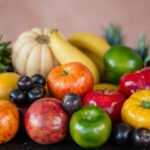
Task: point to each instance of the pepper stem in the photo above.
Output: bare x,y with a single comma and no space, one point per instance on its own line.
146,104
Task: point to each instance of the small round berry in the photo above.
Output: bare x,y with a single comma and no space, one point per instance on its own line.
36,93
18,97
141,137
25,83
38,79
122,134
71,102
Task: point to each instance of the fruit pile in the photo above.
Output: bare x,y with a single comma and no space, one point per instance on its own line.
91,88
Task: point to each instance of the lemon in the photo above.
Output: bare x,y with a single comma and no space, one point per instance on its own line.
8,81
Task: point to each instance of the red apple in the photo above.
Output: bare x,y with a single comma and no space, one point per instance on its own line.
110,100
70,78
45,121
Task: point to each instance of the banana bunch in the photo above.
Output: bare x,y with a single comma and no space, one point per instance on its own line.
81,47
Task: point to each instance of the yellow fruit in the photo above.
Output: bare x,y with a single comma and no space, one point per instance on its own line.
93,46
96,60
90,42
106,86
8,81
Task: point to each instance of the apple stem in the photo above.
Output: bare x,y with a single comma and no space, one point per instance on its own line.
65,72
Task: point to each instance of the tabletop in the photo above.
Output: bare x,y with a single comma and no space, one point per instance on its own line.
23,142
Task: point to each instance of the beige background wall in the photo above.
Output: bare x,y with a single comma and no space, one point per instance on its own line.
70,16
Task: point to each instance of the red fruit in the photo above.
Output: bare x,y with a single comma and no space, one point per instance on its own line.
145,73
46,121
70,78
133,82
110,100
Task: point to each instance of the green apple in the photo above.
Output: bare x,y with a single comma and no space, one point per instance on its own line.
90,127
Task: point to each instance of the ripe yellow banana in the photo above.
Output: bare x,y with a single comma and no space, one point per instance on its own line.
96,60
93,46
90,42
66,52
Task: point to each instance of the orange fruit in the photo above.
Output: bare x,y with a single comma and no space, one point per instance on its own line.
9,121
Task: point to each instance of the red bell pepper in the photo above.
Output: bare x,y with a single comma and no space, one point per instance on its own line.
135,81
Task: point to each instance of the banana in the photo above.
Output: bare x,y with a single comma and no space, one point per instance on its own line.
91,45
66,52
90,42
96,60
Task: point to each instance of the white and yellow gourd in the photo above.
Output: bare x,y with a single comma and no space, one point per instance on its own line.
32,53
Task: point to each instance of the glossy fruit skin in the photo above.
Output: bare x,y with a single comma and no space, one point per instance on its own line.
90,127
122,134
71,77
25,83
119,60
71,102
17,96
8,82
36,93
141,137
131,82
38,79
110,100
46,121
136,109
9,121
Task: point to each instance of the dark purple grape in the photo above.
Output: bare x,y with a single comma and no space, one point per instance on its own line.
18,97
36,93
38,79
71,102
122,134
25,83
141,137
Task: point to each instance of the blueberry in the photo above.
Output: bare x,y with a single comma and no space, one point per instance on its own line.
71,102
25,83
38,79
18,97
36,93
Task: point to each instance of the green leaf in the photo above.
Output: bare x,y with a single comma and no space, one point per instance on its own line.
3,68
142,47
113,34
147,61
6,61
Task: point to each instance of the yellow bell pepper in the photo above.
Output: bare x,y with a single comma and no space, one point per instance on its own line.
136,109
